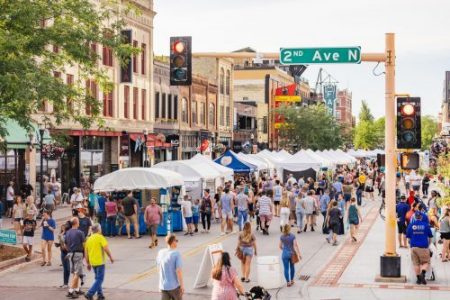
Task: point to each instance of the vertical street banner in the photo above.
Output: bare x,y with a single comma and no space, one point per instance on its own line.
329,95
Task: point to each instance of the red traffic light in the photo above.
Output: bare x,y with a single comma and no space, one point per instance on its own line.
178,47
408,109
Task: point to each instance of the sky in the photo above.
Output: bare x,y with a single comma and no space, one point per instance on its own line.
422,31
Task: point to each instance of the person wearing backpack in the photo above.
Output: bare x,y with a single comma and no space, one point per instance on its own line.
354,218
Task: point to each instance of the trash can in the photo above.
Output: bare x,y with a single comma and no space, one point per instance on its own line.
269,272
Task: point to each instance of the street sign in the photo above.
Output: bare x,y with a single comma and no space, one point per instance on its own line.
7,237
300,56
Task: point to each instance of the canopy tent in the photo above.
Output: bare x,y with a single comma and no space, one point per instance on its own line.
270,164
345,155
283,154
227,173
292,166
260,165
138,179
341,160
304,157
231,160
266,154
326,161
196,175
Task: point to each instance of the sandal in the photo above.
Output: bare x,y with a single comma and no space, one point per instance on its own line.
243,279
49,264
43,264
289,284
247,280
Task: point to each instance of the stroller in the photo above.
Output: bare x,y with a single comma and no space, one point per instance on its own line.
257,293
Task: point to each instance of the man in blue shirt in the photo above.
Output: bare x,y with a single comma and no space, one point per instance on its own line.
402,208
170,273
337,187
324,201
419,235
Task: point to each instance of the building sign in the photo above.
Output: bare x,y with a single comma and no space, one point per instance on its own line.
125,69
285,94
7,237
329,95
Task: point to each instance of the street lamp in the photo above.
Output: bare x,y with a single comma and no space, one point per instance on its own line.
41,166
145,147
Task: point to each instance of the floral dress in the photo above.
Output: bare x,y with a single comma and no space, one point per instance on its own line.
224,289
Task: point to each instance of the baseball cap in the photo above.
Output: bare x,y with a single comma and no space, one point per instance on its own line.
418,215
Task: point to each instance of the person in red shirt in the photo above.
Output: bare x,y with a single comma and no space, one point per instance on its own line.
153,217
411,197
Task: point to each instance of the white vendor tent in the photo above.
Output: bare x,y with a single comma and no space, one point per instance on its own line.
227,173
328,156
138,179
269,163
325,160
260,165
345,155
196,175
283,154
304,157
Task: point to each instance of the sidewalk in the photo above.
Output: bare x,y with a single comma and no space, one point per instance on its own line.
61,214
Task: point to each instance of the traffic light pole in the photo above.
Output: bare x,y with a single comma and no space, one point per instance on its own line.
390,262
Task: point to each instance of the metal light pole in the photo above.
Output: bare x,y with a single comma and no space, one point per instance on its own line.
41,166
145,147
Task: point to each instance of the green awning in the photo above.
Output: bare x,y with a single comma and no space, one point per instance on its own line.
18,137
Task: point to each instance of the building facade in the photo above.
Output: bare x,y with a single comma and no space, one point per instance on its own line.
245,122
343,112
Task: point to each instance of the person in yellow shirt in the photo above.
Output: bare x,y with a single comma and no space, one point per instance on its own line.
94,251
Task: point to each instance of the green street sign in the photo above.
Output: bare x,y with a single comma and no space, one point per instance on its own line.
7,237
337,55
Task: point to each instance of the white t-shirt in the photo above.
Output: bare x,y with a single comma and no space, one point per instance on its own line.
407,178
277,193
284,215
76,198
187,208
10,193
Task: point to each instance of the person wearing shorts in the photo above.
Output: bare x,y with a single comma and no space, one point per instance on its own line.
186,206
247,244
226,208
130,209
29,226
419,235
402,209
265,211
75,247
153,217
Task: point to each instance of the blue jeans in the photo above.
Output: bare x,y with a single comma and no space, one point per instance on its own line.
111,225
242,218
66,267
300,215
96,287
288,266
359,197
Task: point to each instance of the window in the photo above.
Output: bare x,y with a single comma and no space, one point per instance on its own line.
135,102
143,58
91,91
202,113
228,82
169,107
184,110
126,102
175,107
163,106
228,117
338,114
222,116
69,81
211,115
107,57
108,104
57,74
222,80
194,112
157,105
135,63
93,53
143,103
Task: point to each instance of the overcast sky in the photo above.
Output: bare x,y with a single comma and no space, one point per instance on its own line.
422,37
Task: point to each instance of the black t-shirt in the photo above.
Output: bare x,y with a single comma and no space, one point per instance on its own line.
335,215
74,240
28,227
128,206
85,223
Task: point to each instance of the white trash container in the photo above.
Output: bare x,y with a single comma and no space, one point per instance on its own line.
269,272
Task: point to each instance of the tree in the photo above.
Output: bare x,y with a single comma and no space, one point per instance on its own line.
365,135
310,127
40,37
429,130
365,114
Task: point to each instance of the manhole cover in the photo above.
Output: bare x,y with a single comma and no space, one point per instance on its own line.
304,277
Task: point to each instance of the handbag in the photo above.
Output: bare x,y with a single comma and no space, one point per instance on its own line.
239,254
294,258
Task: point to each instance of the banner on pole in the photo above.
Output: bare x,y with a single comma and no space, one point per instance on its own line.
329,95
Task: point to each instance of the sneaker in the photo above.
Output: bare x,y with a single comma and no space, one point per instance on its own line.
89,297
64,286
80,292
222,233
100,297
72,295
49,264
335,243
328,240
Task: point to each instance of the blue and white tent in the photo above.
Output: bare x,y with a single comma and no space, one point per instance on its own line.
231,160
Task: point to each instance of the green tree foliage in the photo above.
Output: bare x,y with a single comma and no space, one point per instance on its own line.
309,127
429,129
365,114
368,133
28,60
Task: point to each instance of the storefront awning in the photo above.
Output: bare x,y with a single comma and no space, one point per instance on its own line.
19,138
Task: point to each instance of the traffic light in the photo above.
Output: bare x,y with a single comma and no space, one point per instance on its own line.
408,123
409,161
181,60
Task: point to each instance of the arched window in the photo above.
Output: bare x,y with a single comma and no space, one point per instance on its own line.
228,82
222,81
184,110
212,115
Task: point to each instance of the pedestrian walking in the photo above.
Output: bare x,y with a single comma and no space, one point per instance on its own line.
425,184
49,202
419,235
84,222
30,207
61,244
285,211
226,209
277,196
242,206
309,205
130,208
111,217
74,241
153,217
444,230
341,206
206,207
225,280
324,201
333,220
17,213
186,206
354,218
48,228
247,246
266,210
29,227
196,214
170,270
402,209
94,252
300,212
290,254
10,199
